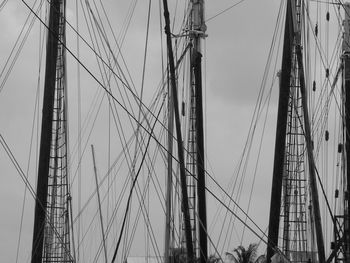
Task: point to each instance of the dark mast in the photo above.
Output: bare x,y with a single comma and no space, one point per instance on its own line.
185,206
276,191
341,244
289,156
346,82
197,34
51,235
196,165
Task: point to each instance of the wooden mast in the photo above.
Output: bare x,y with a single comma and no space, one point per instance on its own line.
51,235
292,55
346,83
312,175
46,131
168,216
185,206
341,244
198,32
276,191
307,132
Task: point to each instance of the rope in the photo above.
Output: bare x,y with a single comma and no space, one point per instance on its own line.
225,10
2,4
130,194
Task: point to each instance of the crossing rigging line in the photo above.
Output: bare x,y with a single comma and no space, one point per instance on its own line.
225,10
18,46
29,187
100,82
36,110
2,4
261,105
103,86
123,106
130,194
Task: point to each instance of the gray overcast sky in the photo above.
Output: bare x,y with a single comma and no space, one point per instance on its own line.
235,55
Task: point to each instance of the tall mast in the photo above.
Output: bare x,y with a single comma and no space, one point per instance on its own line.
51,235
276,190
342,224
180,149
168,220
289,172
346,53
197,34
341,244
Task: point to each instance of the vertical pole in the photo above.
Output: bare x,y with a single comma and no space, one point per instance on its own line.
312,173
99,203
275,204
346,81
169,181
46,132
202,208
312,166
199,29
185,206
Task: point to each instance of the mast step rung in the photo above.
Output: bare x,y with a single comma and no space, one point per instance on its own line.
56,207
296,221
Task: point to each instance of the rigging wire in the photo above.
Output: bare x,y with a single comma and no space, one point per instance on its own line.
121,153
123,82
323,119
257,111
115,39
117,203
79,124
335,51
141,201
131,191
84,129
19,44
36,107
100,104
94,77
103,180
90,11
278,27
89,199
2,4
26,182
100,29
319,179
236,216
325,110
224,11
141,96
109,92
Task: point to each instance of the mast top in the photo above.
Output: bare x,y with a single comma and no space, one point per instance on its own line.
198,21
346,36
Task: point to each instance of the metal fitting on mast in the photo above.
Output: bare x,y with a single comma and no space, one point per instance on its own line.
197,28
198,15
